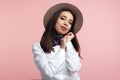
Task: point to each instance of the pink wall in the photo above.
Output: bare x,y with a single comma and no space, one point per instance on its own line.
21,25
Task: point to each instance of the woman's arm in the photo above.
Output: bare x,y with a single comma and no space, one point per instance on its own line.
49,67
72,58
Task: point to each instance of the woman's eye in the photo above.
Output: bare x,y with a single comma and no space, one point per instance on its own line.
62,18
70,23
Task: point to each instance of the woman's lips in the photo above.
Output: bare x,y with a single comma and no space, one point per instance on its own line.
63,28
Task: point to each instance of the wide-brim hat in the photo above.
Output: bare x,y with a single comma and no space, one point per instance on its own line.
55,8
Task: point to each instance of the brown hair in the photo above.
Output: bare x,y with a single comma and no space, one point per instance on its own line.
47,40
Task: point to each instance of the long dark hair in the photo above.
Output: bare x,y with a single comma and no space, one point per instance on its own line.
47,40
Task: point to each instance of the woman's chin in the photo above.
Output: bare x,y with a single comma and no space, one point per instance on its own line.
63,33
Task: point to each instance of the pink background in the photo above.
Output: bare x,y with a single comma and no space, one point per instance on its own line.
21,25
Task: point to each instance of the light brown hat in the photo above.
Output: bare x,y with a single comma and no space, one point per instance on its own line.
55,8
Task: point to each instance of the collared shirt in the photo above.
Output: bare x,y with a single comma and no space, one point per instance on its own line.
59,64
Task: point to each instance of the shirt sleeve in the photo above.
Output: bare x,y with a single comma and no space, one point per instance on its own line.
72,58
49,67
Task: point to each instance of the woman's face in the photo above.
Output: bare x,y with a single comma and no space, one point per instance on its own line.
64,22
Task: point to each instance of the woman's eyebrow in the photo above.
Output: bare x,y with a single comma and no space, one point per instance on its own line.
66,17
63,16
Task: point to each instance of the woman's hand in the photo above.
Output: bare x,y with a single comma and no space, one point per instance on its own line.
66,38
70,36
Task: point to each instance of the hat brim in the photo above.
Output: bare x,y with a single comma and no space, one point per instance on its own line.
55,8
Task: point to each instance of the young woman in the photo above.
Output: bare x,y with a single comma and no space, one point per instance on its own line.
57,56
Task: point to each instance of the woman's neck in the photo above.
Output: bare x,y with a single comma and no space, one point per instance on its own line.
57,39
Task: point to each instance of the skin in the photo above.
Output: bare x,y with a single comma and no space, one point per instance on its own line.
63,26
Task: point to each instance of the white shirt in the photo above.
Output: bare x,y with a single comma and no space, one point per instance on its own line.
57,65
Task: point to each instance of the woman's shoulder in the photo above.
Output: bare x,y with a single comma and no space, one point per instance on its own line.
36,46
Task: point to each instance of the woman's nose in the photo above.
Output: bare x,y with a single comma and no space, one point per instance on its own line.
66,23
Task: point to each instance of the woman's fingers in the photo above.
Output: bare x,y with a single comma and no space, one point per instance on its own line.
66,38
70,36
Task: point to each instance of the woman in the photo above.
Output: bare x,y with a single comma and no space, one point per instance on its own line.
57,56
